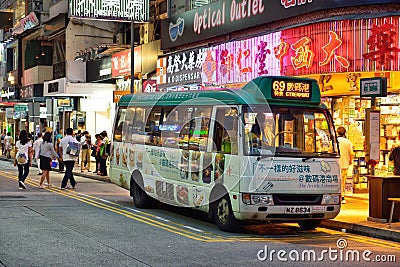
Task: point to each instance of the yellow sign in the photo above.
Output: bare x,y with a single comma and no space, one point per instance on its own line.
346,84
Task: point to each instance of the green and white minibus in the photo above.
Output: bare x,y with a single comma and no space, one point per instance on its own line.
267,152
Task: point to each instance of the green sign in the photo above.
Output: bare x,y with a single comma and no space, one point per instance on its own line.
20,108
373,87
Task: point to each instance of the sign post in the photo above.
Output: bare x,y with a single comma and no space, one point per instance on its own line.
373,87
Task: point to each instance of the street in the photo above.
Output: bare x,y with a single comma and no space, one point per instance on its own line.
97,225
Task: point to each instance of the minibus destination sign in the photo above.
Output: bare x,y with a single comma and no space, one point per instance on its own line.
287,89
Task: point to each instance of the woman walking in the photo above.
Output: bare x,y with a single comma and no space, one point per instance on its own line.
46,153
23,157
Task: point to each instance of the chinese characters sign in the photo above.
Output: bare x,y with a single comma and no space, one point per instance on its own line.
182,68
121,62
323,48
132,10
381,43
295,176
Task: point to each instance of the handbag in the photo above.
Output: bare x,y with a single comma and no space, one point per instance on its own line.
21,158
93,152
73,148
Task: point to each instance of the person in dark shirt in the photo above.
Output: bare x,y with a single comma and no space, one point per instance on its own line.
395,157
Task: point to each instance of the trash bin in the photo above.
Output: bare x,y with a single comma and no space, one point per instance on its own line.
380,189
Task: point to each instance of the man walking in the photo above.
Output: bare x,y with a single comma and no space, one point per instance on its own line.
69,160
346,156
36,149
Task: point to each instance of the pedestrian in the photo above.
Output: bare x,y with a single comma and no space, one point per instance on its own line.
3,135
96,151
69,160
103,153
46,153
23,157
78,137
8,144
57,149
346,156
86,145
395,156
36,147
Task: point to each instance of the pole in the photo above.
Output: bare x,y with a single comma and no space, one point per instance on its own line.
132,57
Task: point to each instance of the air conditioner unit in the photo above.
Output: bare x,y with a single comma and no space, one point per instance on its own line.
146,33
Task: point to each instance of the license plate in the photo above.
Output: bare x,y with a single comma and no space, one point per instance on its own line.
297,210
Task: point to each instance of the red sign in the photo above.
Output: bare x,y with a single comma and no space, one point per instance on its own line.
121,62
150,86
348,46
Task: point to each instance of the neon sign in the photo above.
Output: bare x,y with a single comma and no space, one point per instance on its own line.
329,49
303,55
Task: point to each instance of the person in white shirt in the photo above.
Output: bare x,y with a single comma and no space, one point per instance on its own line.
346,156
36,148
69,160
23,157
46,153
8,144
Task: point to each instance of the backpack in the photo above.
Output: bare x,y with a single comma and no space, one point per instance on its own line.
73,148
21,158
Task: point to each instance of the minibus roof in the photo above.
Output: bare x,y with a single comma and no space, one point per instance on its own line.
258,91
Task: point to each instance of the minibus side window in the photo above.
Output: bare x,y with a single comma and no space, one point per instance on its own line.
225,131
119,124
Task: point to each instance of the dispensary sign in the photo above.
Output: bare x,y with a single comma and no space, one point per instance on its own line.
131,10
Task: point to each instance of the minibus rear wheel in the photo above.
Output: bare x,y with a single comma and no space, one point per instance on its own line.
139,196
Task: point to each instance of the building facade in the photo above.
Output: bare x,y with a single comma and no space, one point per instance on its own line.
228,43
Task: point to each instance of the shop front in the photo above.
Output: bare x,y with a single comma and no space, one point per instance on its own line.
338,54
81,106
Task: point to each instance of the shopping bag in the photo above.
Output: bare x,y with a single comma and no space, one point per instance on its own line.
54,163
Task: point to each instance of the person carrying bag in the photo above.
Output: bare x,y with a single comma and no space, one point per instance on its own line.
46,153
23,158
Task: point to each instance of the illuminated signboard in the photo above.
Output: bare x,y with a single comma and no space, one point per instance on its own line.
121,62
132,10
287,89
373,87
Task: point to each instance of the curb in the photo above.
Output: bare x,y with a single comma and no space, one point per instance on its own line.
362,230
97,177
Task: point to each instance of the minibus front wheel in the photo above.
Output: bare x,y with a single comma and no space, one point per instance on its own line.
223,215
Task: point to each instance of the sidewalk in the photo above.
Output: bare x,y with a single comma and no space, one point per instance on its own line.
352,217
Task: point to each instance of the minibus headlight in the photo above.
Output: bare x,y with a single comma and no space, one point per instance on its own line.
330,199
257,199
